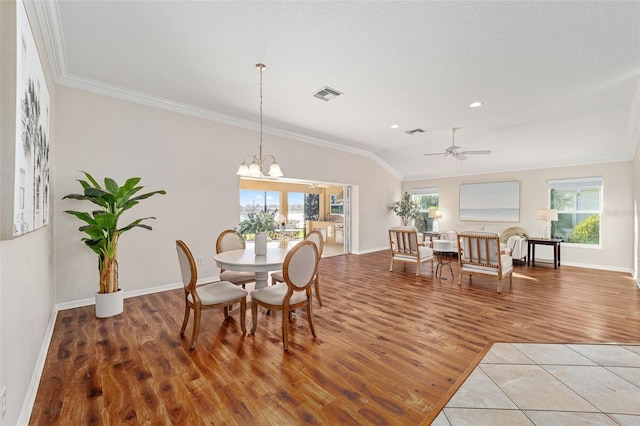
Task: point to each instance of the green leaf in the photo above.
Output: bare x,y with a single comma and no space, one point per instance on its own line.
84,216
149,194
106,220
95,192
92,180
111,185
76,197
129,185
124,198
136,223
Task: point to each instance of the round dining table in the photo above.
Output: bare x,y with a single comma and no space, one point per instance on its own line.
245,260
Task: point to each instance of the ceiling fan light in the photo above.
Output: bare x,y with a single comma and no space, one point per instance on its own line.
475,104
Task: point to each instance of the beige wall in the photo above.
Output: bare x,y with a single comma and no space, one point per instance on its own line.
617,221
195,161
636,210
27,292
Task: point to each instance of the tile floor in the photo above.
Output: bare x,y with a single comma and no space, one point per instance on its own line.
549,384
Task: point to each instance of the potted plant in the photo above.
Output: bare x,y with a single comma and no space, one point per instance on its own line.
103,232
258,223
406,209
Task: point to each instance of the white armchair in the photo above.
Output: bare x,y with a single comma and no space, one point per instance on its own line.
518,246
453,237
479,253
404,245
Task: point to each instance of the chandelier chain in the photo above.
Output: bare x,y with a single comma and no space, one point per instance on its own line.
261,67
254,165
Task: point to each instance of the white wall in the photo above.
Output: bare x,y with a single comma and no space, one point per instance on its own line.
26,288
617,220
195,161
636,214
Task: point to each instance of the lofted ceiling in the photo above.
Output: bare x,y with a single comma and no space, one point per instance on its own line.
559,80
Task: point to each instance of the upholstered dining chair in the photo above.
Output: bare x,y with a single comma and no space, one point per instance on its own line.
219,294
316,237
405,247
299,269
229,240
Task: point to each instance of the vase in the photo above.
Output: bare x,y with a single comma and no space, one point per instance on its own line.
261,244
109,304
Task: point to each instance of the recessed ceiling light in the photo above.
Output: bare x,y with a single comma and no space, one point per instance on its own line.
475,104
395,126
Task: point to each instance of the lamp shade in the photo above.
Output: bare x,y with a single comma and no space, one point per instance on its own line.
547,214
274,170
435,214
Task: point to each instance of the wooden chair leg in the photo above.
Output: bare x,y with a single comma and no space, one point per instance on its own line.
196,327
243,315
187,311
285,329
310,319
254,317
391,267
317,286
226,310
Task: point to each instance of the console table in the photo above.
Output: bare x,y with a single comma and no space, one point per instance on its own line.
531,250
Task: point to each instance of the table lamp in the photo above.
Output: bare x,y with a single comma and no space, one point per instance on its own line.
547,215
435,215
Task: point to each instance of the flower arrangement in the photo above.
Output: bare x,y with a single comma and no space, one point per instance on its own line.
257,222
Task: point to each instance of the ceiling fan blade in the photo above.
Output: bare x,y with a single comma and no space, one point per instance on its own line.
482,151
438,153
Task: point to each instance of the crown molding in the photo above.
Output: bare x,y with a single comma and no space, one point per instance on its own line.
48,17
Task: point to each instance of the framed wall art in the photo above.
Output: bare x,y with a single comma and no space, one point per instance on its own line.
490,202
24,124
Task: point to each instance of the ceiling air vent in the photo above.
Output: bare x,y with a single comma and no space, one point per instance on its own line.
327,94
414,131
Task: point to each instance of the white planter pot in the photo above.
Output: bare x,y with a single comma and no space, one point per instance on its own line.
109,304
261,244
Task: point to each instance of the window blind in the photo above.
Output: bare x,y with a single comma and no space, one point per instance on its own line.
590,182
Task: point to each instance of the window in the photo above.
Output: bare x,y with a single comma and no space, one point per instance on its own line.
427,198
579,205
254,201
295,211
335,204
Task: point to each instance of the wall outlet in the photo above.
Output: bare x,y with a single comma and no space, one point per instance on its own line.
4,401
200,261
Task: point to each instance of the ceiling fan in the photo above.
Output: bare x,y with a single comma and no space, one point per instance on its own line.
453,149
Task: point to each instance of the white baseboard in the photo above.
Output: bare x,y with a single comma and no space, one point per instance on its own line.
599,267
370,250
32,390
133,293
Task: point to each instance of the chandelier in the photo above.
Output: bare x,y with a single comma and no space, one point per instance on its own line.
255,165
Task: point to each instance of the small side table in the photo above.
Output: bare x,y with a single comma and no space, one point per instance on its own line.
531,250
432,236
443,249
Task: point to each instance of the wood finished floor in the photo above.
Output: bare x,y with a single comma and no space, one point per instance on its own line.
389,346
